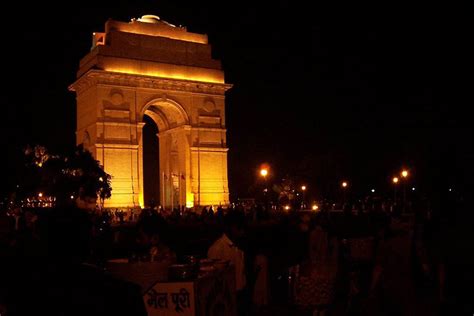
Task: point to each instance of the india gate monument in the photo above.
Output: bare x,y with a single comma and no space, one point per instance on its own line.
150,69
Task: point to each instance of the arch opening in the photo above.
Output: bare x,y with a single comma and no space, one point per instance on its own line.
164,179
151,167
167,114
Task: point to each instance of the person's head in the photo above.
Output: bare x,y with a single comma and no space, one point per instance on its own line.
234,225
148,231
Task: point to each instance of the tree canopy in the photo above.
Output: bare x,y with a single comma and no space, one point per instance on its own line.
64,177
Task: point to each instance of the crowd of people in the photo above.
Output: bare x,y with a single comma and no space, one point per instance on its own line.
47,267
367,259
383,261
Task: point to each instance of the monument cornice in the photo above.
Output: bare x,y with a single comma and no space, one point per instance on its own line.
96,77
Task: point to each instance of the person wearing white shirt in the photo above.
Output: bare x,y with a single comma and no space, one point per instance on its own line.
224,248
227,248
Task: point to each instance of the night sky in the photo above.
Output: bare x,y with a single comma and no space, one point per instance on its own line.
321,94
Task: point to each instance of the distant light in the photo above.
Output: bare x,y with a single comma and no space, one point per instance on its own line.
344,184
303,187
395,180
40,194
72,197
373,190
287,207
404,173
101,179
315,207
264,172
450,189
413,189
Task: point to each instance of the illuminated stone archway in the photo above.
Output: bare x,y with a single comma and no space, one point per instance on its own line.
149,67
174,131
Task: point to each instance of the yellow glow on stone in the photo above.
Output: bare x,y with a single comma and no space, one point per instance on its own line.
166,75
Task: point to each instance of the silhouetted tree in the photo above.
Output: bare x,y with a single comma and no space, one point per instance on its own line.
76,175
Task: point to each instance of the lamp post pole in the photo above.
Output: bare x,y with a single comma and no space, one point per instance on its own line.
303,204
344,186
404,176
264,174
395,182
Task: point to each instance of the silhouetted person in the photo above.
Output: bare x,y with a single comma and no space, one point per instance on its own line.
230,246
152,204
150,244
393,279
204,213
121,216
220,213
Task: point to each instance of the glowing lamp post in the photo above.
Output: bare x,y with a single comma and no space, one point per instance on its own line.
344,186
264,173
395,182
404,174
303,204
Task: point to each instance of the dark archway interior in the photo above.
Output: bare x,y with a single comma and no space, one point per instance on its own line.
151,163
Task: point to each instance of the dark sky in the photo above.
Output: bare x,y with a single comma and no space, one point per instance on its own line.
320,93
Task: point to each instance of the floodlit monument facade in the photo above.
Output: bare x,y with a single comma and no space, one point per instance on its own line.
150,67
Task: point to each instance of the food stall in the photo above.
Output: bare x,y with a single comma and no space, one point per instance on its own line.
203,288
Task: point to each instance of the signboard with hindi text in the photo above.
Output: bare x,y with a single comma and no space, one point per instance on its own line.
170,299
211,294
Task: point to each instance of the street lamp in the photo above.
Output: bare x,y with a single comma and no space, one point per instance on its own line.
344,186
404,174
303,188
395,182
264,173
